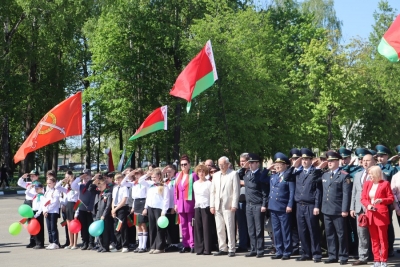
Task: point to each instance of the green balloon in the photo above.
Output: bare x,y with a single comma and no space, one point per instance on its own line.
25,211
15,228
162,222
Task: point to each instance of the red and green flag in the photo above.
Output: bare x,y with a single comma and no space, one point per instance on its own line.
130,221
156,121
198,76
389,46
77,204
177,220
119,225
23,221
63,223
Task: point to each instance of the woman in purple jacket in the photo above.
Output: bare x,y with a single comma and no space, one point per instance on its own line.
184,203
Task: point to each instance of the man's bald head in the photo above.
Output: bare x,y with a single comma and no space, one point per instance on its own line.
368,161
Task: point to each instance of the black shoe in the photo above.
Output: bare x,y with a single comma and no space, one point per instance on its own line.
172,248
277,257
206,253
239,250
231,254
136,250
260,256
192,250
183,250
295,252
398,251
221,253
199,253
330,261
251,254
31,245
356,263
65,245
90,247
84,246
285,257
317,260
303,258
344,262
142,250
38,247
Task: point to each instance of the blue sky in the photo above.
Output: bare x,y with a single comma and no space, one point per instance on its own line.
357,18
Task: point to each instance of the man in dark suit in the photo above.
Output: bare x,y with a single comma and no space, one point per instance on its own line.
336,188
308,200
256,198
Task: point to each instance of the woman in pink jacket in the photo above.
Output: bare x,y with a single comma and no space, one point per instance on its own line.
184,203
376,196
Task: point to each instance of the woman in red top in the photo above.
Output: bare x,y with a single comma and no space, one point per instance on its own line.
376,196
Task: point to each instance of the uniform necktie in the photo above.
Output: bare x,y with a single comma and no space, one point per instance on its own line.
305,171
331,175
116,201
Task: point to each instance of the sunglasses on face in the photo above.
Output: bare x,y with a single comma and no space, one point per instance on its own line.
212,171
184,164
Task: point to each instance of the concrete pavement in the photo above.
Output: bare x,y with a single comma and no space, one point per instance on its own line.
14,253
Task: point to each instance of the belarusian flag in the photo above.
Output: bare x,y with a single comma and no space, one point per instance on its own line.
389,46
77,204
130,221
119,225
197,77
157,120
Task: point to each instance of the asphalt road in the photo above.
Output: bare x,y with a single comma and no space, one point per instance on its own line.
14,253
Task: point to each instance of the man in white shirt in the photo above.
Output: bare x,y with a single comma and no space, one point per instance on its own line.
119,212
223,204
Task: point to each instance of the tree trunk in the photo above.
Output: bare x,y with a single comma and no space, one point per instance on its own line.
55,157
177,132
157,155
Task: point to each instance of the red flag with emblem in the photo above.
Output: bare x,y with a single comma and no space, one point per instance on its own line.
62,121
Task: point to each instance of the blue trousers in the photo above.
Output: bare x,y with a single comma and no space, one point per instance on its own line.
281,226
51,221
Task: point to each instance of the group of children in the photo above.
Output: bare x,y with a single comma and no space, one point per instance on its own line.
130,204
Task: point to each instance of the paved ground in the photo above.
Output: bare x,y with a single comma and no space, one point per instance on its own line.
14,253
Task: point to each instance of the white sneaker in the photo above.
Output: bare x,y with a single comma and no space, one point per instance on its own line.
113,250
125,250
55,246
383,264
376,264
112,246
49,246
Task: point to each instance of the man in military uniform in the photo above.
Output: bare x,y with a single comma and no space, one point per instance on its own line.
257,191
397,148
347,162
382,158
347,166
336,188
294,155
307,196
